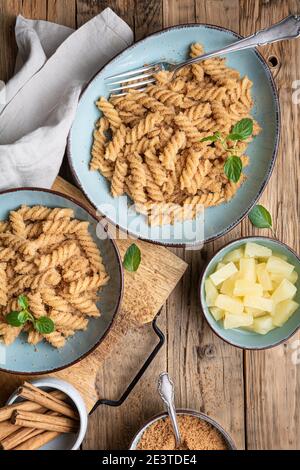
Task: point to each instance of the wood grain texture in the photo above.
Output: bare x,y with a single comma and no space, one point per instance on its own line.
272,380
209,368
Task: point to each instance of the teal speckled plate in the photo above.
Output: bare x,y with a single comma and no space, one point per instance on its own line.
23,358
172,45
247,339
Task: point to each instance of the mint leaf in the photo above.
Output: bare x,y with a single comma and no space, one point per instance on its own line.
211,138
232,136
13,319
44,325
260,217
23,302
233,168
23,317
244,128
132,258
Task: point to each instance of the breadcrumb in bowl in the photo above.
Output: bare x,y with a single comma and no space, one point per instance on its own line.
198,432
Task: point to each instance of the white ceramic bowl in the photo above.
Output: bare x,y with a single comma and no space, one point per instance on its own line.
64,441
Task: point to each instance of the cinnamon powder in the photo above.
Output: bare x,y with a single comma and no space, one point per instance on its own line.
196,434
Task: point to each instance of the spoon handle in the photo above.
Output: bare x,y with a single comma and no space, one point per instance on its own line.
166,392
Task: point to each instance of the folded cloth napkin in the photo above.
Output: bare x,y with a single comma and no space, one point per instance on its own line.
53,65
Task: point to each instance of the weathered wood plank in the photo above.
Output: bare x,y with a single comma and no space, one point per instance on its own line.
86,9
111,428
9,9
62,12
272,380
207,372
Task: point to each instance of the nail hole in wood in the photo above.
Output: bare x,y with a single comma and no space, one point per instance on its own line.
273,61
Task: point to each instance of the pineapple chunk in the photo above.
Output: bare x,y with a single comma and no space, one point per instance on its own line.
279,266
253,250
283,311
263,325
247,269
217,313
286,290
228,286
211,293
261,303
234,256
236,321
278,278
243,287
224,273
220,265
229,304
264,277
293,277
255,312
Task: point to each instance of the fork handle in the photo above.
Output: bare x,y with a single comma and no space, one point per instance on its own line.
288,28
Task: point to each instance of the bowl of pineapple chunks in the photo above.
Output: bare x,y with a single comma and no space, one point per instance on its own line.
250,292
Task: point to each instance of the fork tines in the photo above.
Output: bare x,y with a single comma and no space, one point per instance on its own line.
136,78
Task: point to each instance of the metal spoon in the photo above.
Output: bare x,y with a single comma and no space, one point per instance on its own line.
166,392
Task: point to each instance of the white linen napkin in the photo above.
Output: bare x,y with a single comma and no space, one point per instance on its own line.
53,65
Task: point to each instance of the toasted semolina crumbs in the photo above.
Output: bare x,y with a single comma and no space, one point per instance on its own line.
196,435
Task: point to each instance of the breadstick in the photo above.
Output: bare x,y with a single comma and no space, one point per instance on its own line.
32,393
7,411
40,421
38,441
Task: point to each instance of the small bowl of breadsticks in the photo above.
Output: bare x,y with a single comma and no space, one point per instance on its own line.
61,281
44,414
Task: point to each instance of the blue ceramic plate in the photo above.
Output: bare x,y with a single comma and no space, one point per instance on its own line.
23,358
172,45
247,339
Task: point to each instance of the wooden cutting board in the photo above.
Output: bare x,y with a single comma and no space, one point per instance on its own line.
158,274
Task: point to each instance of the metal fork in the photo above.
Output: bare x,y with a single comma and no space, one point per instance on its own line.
288,28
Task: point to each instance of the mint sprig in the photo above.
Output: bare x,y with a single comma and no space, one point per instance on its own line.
43,325
240,131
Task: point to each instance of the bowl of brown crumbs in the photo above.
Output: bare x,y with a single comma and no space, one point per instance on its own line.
198,432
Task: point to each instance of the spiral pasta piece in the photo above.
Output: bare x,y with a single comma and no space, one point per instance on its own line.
36,305
168,156
6,254
55,301
89,283
58,257
109,112
3,284
83,305
91,250
9,333
17,224
119,177
144,126
67,321
116,144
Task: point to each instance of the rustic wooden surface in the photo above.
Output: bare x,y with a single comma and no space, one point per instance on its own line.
253,394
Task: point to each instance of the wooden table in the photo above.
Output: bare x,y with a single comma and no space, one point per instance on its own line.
252,394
